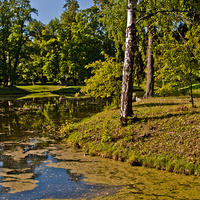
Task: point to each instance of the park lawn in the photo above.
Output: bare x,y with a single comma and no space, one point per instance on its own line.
40,88
165,135
29,89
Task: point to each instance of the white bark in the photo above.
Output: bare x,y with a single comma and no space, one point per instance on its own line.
127,81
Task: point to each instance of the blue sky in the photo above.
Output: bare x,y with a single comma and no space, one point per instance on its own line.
49,9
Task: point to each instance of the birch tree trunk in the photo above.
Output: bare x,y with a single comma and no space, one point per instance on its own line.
127,81
150,71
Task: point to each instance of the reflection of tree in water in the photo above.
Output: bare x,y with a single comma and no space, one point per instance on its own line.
23,117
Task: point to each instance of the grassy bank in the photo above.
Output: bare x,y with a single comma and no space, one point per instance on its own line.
166,135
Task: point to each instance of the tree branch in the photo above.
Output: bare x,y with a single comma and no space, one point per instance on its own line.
179,15
163,11
183,39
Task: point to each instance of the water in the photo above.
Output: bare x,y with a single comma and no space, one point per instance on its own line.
29,177
33,165
21,117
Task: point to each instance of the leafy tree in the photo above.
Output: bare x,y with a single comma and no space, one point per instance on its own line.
20,33
84,42
68,18
181,64
114,14
177,12
14,23
5,23
32,61
105,81
52,49
89,41
180,59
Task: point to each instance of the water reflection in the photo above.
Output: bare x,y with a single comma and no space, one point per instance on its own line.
40,115
28,175
33,166
25,153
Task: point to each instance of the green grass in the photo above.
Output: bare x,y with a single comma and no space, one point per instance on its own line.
165,135
33,89
194,87
40,88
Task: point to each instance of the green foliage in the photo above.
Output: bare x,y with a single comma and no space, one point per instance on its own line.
59,51
114,18
14,31
106,79
179,69
180,66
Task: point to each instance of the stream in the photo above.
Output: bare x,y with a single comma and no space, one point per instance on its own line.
34,165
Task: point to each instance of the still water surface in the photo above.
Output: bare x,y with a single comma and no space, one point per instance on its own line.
33,165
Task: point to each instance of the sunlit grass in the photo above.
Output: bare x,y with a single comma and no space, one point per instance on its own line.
28,89
164,136
41,88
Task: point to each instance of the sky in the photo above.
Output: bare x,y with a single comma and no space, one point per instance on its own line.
49,9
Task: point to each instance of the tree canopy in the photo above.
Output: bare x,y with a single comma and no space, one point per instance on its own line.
58,52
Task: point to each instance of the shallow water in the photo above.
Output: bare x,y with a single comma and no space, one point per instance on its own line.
26,173
34,166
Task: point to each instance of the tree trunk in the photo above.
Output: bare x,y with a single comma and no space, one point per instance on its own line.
127,81
17,56
191,95
150,71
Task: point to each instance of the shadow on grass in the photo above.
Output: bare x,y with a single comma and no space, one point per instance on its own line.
68,90
155,104
12,90
167,116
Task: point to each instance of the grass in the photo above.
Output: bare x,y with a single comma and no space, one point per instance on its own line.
30,89
166,135
68,90
40,88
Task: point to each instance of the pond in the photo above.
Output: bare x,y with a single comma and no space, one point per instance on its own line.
35,165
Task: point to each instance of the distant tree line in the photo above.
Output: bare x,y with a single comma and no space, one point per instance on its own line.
166,49
31,51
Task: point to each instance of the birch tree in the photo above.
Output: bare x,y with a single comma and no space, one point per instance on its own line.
127,81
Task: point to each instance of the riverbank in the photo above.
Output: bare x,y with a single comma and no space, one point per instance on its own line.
165,135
